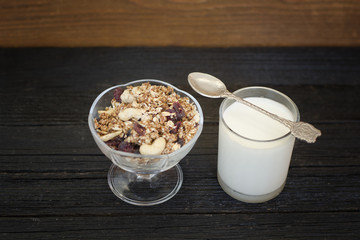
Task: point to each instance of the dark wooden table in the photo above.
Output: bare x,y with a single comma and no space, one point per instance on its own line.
54,178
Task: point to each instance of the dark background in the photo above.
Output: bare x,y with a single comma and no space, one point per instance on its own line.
53,177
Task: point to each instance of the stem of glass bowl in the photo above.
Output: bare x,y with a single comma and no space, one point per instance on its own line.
147,177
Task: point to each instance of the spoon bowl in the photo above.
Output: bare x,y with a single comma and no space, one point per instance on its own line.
207,85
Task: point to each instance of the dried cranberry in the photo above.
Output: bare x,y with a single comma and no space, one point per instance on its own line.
179,110
128,147
176,129
128,133
171,117
180,141
117,94
139,129
114,143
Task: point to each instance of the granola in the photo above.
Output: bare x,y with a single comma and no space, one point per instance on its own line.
147,119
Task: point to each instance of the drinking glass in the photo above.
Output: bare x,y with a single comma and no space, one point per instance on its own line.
252,170
143,179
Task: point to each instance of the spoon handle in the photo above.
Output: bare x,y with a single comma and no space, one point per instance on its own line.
301,130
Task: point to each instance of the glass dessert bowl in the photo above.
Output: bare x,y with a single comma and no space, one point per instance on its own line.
143,179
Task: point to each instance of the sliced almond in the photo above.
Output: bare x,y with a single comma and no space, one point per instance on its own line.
110,136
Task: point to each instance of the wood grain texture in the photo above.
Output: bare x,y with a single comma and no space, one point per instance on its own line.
179,23
197,226
53,178
84,190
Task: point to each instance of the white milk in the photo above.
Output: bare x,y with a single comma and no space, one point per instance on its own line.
254,167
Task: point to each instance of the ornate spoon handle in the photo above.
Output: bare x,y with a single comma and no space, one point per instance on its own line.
301,130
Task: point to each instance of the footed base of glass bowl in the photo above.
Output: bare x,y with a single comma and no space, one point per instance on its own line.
145,189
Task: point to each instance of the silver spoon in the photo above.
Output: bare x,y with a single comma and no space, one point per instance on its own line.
210,86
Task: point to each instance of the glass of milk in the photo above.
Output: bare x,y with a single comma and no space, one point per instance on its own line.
254,150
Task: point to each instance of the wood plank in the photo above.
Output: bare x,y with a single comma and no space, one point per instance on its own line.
83,193
179,23
204,226
95,69
302,73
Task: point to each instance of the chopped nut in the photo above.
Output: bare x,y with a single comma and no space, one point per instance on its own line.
110,136
136,91
130,113
127,97
108,111
176,146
